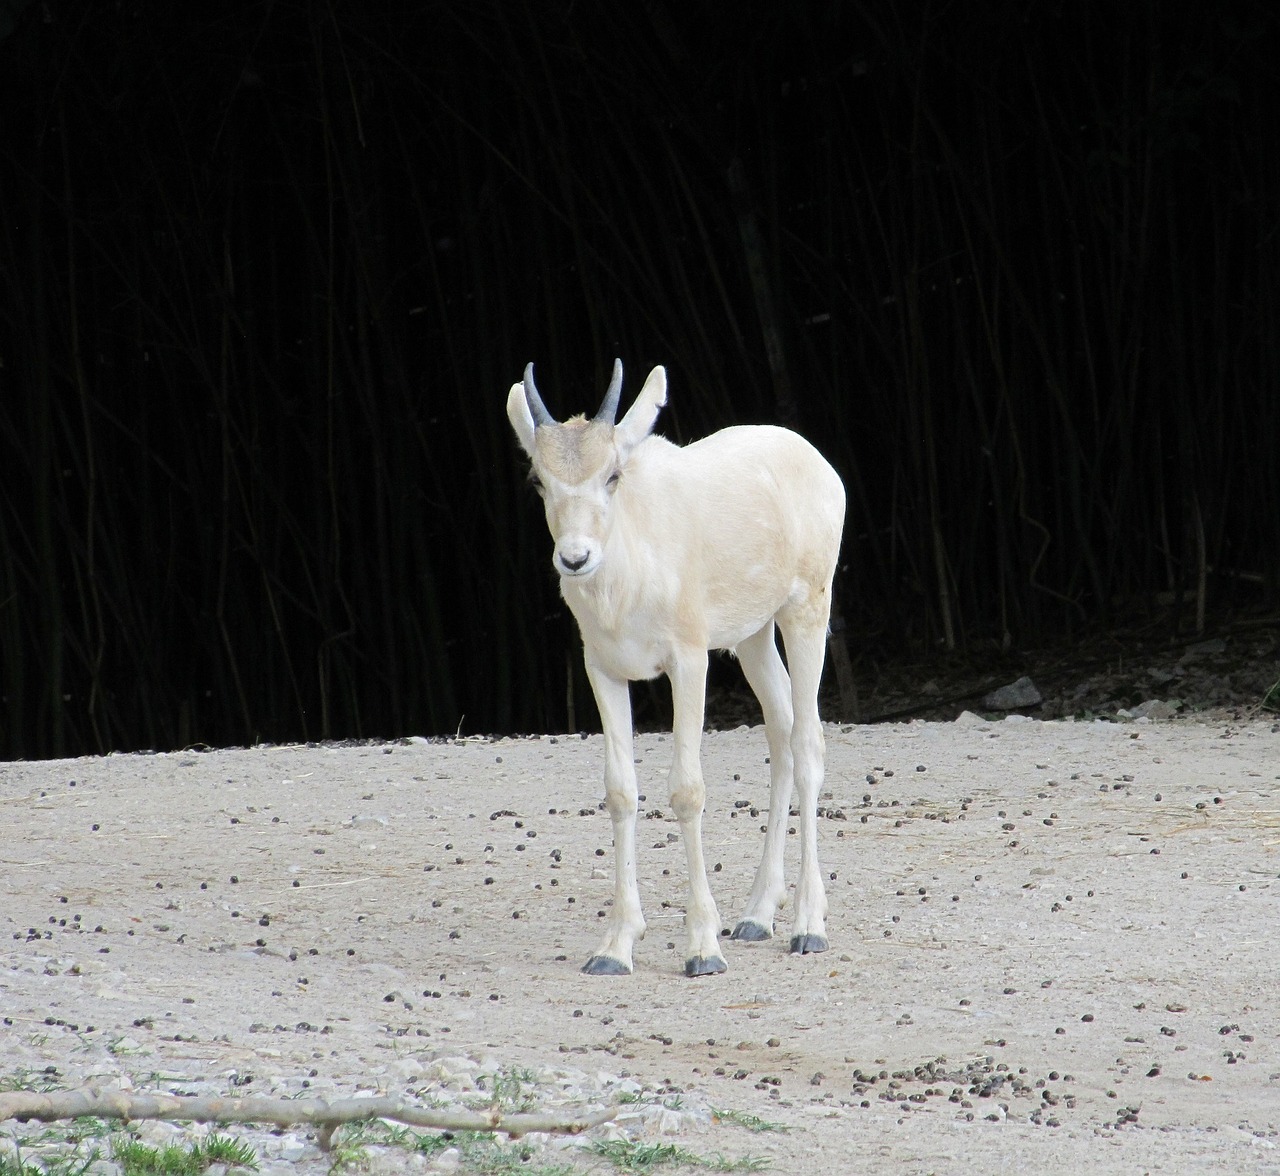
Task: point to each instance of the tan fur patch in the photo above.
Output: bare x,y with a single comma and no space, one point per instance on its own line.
571,453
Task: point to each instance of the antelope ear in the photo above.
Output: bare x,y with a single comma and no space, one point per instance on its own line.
520,417
643,414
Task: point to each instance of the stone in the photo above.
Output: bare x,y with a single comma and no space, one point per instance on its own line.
1014,696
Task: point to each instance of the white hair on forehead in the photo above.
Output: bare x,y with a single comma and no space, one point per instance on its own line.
575,450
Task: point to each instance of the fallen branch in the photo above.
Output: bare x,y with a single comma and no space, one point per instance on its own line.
127,1106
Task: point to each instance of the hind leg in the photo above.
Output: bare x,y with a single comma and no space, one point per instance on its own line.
767,677
805,635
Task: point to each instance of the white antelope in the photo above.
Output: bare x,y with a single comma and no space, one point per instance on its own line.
663,554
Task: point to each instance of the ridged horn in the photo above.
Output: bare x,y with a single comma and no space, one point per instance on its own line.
609,409
537,409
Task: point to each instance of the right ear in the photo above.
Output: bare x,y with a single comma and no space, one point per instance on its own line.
643,414
520,417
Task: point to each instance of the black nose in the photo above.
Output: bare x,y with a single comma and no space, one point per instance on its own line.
574,564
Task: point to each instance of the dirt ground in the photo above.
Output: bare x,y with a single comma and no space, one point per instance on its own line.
1053,944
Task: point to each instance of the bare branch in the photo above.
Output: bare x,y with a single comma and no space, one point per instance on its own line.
127,1106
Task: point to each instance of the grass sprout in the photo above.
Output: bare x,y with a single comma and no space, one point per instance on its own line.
70,1164
635,1156
513,1090
27,1080
479,1152
749,1121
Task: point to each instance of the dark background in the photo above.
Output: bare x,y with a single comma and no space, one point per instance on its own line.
267,271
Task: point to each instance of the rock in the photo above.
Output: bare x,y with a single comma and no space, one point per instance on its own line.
1153,708
457,1072
101,1167
1204,649
406,1069
158,1133
291,1147
1014,696
377,1160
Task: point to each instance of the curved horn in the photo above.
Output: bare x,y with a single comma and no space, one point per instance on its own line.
537,409
609,409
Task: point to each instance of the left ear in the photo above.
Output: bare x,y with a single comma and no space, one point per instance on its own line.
520,417
643,414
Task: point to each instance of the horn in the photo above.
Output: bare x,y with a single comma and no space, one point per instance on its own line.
609,409
537,409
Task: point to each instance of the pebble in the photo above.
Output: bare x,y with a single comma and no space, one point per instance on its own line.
368,821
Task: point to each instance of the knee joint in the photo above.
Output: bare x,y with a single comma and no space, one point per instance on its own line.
620,804
687,800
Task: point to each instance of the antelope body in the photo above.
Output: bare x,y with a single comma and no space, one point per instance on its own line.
667,552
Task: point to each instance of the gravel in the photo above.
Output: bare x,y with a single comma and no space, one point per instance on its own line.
1054,945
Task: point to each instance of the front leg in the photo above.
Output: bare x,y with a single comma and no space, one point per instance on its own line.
626,922
688,675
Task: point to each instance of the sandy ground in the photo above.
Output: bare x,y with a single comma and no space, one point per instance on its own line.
1052,944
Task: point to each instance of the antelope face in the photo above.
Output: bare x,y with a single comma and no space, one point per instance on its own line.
577,466
576,470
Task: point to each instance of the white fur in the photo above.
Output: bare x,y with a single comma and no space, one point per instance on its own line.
687,550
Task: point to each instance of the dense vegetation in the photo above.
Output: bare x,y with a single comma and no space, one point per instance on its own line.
266,275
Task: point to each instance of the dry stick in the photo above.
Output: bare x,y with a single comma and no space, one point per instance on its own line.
784,395
571,710
838,647
1202,567
119,1104
753,252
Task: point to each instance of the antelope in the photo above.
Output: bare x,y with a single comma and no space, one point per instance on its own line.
665,553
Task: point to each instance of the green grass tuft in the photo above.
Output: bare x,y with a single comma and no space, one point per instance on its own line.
139,1159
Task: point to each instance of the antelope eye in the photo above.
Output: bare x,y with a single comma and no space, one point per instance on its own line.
535,481
613,479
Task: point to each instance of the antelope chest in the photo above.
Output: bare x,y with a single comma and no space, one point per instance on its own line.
637,647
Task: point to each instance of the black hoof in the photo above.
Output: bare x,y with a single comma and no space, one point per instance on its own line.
806,944
704,966
749,931
602,965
